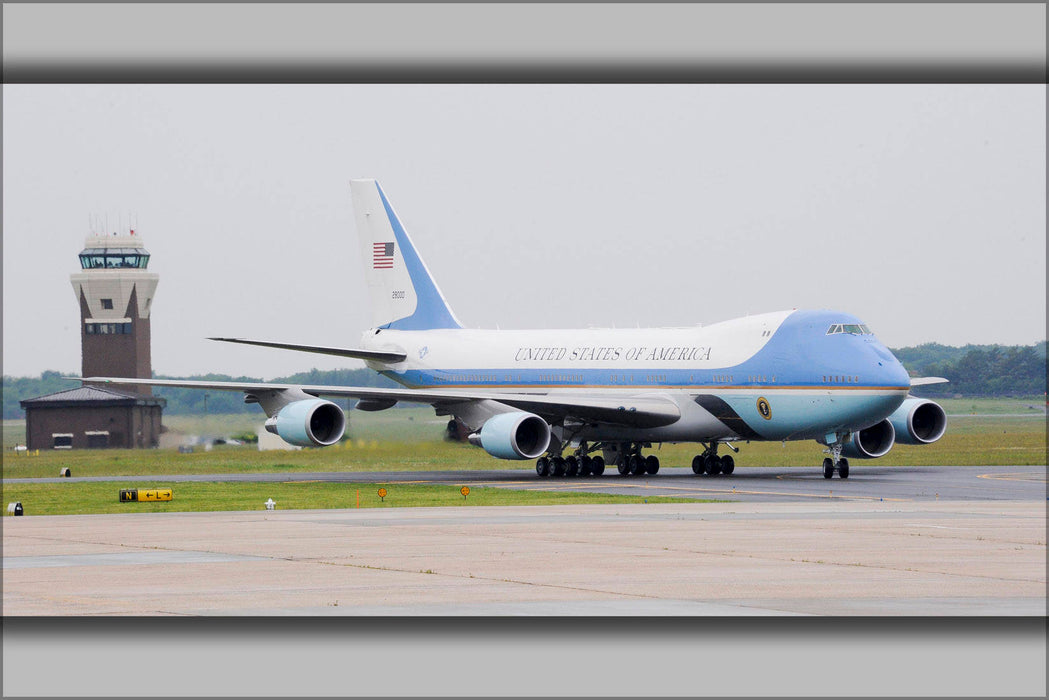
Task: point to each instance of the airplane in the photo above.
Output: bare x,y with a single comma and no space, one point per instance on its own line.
577,400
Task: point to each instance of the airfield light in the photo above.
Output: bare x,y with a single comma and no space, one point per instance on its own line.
270,504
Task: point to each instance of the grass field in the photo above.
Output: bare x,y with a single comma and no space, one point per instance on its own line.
1024,406
77,498
412,439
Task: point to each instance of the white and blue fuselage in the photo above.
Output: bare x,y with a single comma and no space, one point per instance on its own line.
780,376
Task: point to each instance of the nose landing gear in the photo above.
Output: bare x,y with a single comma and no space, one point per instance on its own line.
836,463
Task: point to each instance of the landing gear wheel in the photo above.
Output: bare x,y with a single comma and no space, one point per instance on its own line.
651,464
622,465
728,465
637,465
571,466
585,464
542,466
557,466
597,466
712,465
843,468
828,468
697,465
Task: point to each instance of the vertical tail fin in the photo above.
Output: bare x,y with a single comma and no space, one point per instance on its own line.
404,295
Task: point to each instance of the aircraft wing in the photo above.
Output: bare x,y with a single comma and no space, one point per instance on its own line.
922,381
390,357
625,410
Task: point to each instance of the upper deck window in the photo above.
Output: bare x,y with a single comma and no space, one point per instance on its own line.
851,328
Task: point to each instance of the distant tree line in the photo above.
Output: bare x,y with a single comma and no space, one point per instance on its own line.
973,370
21,388
978,370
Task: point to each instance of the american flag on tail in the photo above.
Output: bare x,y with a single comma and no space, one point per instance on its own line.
382,256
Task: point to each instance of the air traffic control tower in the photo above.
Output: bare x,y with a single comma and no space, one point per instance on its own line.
115,292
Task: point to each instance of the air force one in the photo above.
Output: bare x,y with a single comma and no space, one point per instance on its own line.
578,400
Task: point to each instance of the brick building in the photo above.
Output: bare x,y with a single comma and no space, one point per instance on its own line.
90,417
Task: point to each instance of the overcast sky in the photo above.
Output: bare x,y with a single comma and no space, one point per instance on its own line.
919,208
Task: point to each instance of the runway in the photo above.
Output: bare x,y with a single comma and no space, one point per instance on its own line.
630,599
827,557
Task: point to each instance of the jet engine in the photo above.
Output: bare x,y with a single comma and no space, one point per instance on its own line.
308,423
516,435
919,421
871,442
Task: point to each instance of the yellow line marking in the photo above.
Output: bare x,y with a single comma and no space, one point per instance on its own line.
700,490
1021,476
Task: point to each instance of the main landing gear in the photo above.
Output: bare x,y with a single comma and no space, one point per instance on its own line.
627,458
578,464
571,465
836,462
632,463
711,464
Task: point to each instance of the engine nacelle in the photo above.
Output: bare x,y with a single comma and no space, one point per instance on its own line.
919,422
871,442
514,436
309,423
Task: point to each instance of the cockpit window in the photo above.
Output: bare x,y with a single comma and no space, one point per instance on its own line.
851,328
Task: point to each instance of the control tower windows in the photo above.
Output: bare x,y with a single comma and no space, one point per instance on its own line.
113,258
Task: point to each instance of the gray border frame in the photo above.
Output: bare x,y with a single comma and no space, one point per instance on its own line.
524,42
270,43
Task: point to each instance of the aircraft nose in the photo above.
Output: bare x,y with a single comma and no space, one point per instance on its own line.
891,370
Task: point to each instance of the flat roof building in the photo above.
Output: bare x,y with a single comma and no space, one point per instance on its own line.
90,417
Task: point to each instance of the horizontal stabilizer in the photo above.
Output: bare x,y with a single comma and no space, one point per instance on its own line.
922,381
388,357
